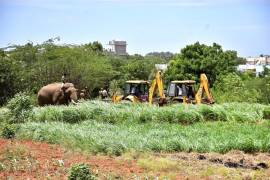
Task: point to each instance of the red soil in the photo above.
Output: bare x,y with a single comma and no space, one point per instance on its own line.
53,162
38,160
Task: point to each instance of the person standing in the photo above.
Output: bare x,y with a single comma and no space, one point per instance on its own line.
104,94
83,93
63,78
100,93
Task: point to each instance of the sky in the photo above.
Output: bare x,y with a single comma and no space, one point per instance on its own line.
146,25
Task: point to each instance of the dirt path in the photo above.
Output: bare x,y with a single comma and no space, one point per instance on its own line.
38,160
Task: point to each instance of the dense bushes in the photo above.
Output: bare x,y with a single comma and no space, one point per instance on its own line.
241,88
20,108
106,112
8,131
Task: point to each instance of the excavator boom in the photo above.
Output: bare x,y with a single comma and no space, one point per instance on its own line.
156,84
203,88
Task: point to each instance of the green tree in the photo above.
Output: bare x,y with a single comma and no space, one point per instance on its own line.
199,58
9,78
95,46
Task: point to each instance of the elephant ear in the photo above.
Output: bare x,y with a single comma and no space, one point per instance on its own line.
65,86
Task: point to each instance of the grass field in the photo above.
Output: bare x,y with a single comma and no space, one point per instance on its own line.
106,112
99,127
156,134
93,136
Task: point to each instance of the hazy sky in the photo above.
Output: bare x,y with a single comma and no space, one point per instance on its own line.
146,25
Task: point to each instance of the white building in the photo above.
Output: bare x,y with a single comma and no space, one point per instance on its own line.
256,64
118,47
162,67
262,60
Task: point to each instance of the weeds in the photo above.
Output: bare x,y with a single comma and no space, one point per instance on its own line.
158,164
17,158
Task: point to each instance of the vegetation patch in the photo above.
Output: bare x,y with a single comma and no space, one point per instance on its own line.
266,113
8,131
20,108
80,172
158,164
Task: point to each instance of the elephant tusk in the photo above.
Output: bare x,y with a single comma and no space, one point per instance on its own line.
73,102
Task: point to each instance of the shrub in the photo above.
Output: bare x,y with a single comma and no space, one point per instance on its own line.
80,172
266,113
8,131
20,107
4,115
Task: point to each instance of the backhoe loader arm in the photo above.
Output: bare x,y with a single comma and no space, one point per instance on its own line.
117,98
156,84
203,88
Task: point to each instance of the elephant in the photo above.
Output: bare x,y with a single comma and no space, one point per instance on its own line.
57,94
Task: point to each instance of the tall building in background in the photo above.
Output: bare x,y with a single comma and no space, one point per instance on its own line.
118,47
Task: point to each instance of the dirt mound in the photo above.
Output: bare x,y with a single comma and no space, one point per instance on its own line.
238,159
232,159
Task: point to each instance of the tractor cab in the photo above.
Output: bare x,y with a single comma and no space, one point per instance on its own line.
180,91
136,90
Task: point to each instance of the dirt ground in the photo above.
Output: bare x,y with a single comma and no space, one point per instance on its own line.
38,160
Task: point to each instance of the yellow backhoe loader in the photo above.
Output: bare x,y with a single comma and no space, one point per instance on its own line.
135,91
157,84
178,91
184,91
141,91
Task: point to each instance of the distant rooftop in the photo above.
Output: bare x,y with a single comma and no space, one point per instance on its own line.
118,47
115,42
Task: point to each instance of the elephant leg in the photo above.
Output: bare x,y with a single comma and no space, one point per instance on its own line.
57,98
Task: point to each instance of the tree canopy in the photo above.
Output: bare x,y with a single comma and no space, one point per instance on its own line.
29,67
26,68
199,58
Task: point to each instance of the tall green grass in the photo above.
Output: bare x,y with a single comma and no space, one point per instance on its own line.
95,126
100,137
118,113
